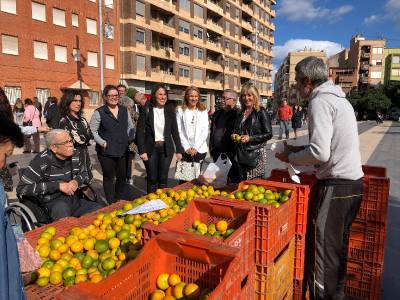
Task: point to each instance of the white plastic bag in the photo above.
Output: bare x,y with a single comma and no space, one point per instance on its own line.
216,173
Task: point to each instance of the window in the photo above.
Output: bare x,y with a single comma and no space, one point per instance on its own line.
9,44
92,59
184,5
91,26
377,62
227,26
12,93
377,50
376,75
60,53
140,36
108,3
184,49
75,20
198,53
140,9
42,94
59,17
140,63
110,62
237,30
396,59
76,54
198,32
198,11
237,13
227,7
183,71
108,31
40,50
236,64
93,97
8,6
227,44
395,72
183,26
197,74
38,12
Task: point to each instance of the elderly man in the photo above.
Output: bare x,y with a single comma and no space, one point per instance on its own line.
222,123
334,151
55,178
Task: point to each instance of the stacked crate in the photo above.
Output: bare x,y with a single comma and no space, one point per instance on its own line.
367,237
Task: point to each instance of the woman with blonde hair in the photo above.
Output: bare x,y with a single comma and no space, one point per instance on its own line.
251,132
192,121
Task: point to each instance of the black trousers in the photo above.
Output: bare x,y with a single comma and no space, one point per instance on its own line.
336,204
157,168
70,207
129,158
114,176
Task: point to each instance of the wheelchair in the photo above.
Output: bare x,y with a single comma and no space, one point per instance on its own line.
29,213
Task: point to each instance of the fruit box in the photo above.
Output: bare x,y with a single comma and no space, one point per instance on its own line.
210,266
211,211
274,227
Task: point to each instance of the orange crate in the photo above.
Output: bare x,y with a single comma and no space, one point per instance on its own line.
374,171
273,281
303,192
211,211
300,291
367,242
89,218
208,265
363,280
299,256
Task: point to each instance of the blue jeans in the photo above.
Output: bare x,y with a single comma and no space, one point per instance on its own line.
283,123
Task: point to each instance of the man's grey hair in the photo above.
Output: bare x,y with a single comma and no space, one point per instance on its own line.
313,68
232,92
51,136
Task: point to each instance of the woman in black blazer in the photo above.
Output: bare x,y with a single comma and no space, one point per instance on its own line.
157,133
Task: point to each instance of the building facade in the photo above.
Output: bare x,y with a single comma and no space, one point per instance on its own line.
391,65
210,44
285,76
345,77
51,46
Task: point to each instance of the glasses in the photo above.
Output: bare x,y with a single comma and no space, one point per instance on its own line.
227,98
70,141
113,96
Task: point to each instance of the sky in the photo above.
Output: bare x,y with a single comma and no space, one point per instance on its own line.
329,25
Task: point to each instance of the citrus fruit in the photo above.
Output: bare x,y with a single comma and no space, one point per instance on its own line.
239,195
178,290
51,229
202,229
108,264
66,256
228,232
69,281
129,219
63,263
43,272
42,241
80,278
196,223
157,295
76,247
101,235
123,234
48,264
88,244
71,239
56,278
173,279
68,272
101,246
54,255
75,263
44,251
162,281
57,268
93,254
63,248
46,235
114,243
191,291
96,278
87,261
211,229
43,281
222,226
127,206
248,195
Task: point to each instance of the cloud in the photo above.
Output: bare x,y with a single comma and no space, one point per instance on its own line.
305,10
372,19
392,5
391,12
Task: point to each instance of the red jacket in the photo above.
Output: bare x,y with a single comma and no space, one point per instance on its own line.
285,113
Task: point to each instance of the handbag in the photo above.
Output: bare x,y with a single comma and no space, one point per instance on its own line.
187,170
246,157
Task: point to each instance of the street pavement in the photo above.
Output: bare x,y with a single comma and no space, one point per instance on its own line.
379,146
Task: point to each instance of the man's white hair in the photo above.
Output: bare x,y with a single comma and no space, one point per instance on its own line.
51,136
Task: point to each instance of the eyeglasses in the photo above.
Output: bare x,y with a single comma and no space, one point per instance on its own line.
113,96
70,141
227,98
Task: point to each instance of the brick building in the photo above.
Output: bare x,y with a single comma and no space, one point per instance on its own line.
53,45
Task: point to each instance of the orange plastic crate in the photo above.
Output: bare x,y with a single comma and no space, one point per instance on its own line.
208,265
299,290
275,280
89,218
299,256
211,211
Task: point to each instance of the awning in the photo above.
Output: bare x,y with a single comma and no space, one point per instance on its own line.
77,85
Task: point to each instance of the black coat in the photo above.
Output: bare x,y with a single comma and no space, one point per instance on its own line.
257,126
145,135
53,116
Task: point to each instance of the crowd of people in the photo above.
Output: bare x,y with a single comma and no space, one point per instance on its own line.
58,178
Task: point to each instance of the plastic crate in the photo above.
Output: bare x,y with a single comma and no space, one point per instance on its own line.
363,280
299,256
211,211
303,192
282,175
374,171
367,242
299,289
89,218
273,281
208,265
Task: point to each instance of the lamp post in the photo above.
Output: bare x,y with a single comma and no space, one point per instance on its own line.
101,45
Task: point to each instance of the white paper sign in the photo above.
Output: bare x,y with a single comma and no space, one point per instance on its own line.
146,207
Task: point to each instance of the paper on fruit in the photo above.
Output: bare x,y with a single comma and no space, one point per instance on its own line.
146,207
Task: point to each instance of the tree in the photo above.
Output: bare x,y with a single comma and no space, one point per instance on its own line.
392,90
376,100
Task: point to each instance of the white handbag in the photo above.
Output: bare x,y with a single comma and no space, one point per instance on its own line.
187,170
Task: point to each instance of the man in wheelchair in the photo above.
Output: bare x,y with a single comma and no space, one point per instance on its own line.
56,179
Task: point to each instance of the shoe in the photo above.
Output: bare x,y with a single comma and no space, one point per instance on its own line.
130,181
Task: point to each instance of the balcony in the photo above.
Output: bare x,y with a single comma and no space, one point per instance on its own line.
245,73
213,45
160,26
165,53
365,55
245,41
246,57
213,65
215,7
246,8
247,25
214,26
364,67
164,4
183,81
158,75
213,84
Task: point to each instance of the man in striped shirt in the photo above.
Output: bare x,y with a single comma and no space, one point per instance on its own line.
55,178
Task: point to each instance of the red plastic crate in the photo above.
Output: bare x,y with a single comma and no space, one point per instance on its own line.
211,211
374,171
299,290
363,280
299,256
208,265
303,195
367,242
273,281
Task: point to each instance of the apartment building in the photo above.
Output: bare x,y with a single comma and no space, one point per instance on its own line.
48,46
391,65
210,44
285,76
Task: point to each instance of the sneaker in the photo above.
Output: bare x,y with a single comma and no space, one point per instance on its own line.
130,181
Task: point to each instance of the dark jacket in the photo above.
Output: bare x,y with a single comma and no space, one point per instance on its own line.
145,136
79,130
42,178
53,116
257,126
226,144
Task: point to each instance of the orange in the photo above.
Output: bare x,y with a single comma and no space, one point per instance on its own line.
191,291
173,279
110,233
122,256
71,239
80,278
96,278
51,229
114,243
101,246
44,251
57,268
162,281
93,232
157,295
178,290
66,256
68,272
42,281
76,247
43,272
42,241
82,236
93,254
56,278
75,263
63,248
123,234
101,235
63,263
46,235
96,222
54,255
108,264
222,226
88,244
